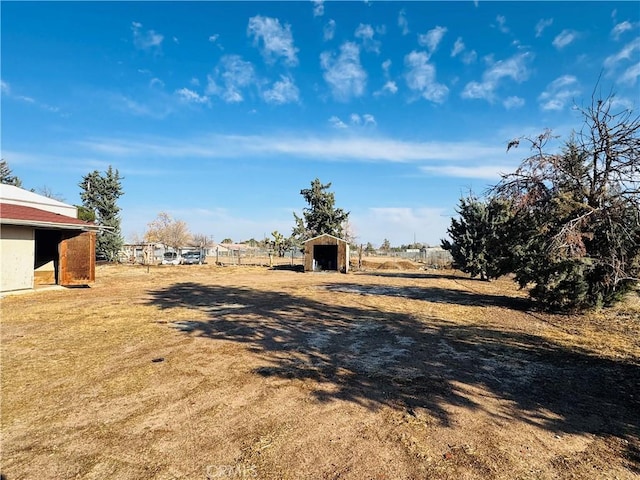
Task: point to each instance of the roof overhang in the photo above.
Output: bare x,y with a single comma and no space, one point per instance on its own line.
326,235
50,225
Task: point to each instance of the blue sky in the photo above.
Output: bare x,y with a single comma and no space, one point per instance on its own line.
219,113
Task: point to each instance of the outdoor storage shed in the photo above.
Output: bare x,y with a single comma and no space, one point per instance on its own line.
326,252
42,242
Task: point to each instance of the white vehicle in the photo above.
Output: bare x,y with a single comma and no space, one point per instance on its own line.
193,257
171,258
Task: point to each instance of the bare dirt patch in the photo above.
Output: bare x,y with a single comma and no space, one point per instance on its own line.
202,372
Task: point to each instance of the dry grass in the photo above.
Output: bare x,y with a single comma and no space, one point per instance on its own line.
244,372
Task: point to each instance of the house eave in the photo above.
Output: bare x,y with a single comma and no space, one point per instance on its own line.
49,225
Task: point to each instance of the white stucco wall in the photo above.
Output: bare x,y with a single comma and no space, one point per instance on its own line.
17,257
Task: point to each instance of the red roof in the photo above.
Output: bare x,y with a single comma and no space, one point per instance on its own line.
27,215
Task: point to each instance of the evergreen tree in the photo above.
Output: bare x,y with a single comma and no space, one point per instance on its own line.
577,227
100,194
369,248
6,175
479,236
321,216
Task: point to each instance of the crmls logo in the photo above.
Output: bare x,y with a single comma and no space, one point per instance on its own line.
231,471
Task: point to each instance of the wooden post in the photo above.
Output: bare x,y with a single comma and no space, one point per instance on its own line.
217,255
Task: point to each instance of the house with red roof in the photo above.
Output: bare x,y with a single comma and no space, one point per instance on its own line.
42,242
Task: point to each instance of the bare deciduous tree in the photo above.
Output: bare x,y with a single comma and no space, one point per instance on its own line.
168,232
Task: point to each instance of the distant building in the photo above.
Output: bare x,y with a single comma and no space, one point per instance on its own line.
326,252
42,242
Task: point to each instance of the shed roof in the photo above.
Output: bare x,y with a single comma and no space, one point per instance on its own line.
326,235
11,214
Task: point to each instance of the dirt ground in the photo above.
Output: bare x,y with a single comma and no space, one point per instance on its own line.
203,372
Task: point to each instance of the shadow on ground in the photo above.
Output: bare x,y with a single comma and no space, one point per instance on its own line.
435,294
377,358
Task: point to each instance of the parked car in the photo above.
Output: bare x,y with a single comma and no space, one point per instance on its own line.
192,258
171,258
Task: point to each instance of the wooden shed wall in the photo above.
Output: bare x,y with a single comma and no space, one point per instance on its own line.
343,252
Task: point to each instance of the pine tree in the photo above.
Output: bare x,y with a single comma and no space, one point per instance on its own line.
6,175
478,237
577,224
321,216
100,194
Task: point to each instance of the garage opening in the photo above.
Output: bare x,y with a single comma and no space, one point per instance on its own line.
47,257
325,257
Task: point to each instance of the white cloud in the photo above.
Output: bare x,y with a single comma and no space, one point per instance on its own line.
482,172
337,123
158,107
513,102
365,34
368,119
329,30
458,47
432,38
559,93
195,82
630,75
622,27
214,38
389,87
318,8
421,77
148,41
355,120
156,82
283,91
514,68
344,74
277,40
190,96
623,103
339,148
235,74
402,22
626,53
542,24
385,66
502,23
469,57
564,38
7,91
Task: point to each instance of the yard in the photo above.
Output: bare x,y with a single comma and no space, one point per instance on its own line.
202,372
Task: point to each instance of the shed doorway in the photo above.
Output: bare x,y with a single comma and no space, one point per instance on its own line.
325,257
47,258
